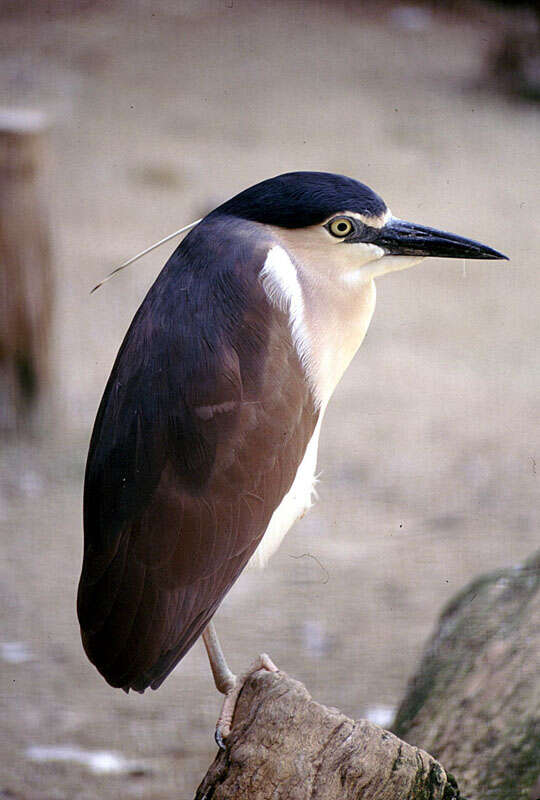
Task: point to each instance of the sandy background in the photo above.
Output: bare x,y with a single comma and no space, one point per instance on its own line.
430,448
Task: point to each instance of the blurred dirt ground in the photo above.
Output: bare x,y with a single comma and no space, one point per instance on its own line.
430,449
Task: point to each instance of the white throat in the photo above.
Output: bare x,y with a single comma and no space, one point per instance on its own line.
328,318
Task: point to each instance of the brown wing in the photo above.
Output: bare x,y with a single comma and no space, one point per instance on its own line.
200,432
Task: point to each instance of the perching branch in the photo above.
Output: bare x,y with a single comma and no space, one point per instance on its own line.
285,746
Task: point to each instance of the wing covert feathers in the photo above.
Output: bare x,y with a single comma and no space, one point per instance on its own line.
202,426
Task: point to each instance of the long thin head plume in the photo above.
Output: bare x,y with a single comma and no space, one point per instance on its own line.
144,252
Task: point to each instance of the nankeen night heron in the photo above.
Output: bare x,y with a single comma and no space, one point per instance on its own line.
204,449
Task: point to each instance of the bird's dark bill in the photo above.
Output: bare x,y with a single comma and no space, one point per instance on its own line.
408,239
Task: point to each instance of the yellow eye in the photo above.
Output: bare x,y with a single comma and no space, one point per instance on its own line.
340,227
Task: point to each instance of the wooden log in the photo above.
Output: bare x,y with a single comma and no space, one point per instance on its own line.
475,700
25,269
285,746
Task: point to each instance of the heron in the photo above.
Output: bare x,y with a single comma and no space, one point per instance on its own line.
204,449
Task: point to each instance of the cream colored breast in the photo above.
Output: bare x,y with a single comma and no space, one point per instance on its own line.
329,314
294,505
337,324
328,321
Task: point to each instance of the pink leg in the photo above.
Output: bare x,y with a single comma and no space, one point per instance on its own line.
226,682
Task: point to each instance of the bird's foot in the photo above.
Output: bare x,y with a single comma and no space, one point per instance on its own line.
223,727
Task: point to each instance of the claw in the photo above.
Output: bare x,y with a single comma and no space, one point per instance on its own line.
224,723
218,736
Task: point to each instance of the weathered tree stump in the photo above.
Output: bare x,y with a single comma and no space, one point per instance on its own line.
475,700
25,269
285,746
474,704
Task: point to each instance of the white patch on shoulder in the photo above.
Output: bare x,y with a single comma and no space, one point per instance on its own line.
294,505
280,282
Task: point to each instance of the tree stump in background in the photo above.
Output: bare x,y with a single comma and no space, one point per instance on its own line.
475,700
285,746
25,269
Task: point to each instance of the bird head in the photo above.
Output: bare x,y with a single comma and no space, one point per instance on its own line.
327,237
342,229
